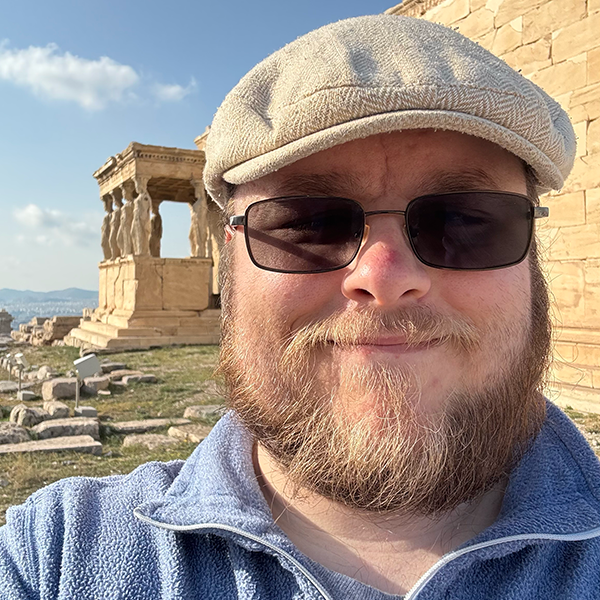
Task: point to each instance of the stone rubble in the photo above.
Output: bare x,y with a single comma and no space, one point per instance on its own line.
145,425
11,433
27,416
74,426
56,409
149,440
85,411
59,388
204,411
79,443
195,432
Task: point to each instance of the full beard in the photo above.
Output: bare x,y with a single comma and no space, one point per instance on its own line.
358,435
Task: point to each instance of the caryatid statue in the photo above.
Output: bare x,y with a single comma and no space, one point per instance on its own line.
105,230
127,190
115,225
199,221
140,226
156,229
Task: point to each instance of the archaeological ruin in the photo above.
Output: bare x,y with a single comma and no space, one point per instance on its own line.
5,322
145,299
556,44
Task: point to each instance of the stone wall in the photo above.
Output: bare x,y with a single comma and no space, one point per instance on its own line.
556,44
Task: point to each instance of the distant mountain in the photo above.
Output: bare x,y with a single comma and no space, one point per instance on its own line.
23,305
70,294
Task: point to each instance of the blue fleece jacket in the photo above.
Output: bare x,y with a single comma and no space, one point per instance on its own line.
202,530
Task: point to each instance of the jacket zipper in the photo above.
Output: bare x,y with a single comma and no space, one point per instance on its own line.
424,579
566,537
246,535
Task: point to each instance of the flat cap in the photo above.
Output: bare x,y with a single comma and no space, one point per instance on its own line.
375,74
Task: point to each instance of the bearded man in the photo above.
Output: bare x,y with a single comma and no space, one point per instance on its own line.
385,343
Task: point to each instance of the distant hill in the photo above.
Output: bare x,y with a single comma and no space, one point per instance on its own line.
8,295
23,305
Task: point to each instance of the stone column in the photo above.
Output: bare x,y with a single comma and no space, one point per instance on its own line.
115,225
127,190
199,221
156,230
5,321
105,231
140,226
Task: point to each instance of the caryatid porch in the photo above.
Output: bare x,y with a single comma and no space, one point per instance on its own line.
146,300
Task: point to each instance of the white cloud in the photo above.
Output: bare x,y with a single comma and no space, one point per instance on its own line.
48,227
173,92
48,73
93,84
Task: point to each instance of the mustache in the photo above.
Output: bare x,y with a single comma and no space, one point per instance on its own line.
415,325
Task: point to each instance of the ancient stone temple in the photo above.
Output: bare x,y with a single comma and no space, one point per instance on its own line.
145,299
556,44
5,321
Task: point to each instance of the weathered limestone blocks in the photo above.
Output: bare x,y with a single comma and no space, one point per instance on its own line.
80,443
61,387
56,409
195,432
12,433
144,425
85,411
27,416
149,440
5,320
67,427
97,383
204,411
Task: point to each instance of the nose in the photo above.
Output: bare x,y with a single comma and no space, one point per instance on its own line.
386,273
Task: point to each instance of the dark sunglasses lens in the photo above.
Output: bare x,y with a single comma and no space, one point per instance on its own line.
304,235
472,230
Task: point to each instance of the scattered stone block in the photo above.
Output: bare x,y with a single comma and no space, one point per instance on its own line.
11,433
67,427
8,387
127,379
86,390
194,432
149,440
56,409
118,374
61,387
145,425
109,367
104,392
97,383
86,411
78,443
45,372
204,411
25,395
27,416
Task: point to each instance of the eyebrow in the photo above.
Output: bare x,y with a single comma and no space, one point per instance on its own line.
458,181
331,183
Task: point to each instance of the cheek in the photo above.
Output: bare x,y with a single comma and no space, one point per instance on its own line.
490,296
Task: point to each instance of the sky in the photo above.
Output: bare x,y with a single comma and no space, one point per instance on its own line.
80,80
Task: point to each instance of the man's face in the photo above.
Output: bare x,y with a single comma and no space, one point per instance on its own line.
388,384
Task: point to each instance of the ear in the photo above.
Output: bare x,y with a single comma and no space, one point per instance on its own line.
229,231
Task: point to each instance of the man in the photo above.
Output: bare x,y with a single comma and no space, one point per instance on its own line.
385,340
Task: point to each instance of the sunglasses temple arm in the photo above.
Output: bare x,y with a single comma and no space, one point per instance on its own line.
541,212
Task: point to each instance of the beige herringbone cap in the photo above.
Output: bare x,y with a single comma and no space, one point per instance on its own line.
369,75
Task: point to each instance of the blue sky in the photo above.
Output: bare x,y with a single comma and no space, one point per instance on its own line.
79,80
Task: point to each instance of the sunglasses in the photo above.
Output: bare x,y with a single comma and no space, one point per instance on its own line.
463,231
